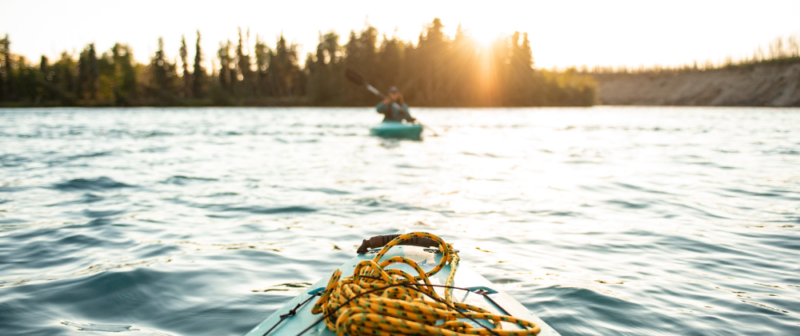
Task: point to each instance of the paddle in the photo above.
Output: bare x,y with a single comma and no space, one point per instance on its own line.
358,80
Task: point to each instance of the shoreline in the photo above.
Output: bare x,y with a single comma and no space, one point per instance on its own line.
768,84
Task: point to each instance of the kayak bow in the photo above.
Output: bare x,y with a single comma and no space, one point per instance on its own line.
379,293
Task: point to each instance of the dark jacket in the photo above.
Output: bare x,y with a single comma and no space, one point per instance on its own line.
394,112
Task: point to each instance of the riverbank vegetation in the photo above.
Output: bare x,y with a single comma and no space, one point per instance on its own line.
436,70
767,78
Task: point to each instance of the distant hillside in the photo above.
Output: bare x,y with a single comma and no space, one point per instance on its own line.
775,83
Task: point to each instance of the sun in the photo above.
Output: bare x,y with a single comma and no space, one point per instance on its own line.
483,37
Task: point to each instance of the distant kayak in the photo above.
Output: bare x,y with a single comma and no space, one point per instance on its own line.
358,298
397,130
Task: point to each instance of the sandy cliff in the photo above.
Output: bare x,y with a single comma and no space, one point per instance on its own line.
753,85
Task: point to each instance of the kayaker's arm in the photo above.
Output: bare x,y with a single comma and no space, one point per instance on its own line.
382,108
407,114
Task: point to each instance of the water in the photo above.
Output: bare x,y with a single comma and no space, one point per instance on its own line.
602,221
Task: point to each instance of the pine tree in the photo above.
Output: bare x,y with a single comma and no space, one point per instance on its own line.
164,75
283,67
94,72
389,60
368,41
125,73
222,54
225,66
87,75
199,78
160,65
262,64
187,76
243,67
5,68
64,79
352,60
324,72
517,71
432,50
462,87
334,69
43,79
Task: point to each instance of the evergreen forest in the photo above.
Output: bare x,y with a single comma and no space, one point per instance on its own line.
437,70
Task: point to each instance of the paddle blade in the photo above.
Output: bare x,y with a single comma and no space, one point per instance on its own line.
354,77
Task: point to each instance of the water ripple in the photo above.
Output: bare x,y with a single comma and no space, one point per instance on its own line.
99,184
602,221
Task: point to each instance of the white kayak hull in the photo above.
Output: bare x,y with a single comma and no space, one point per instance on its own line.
503,303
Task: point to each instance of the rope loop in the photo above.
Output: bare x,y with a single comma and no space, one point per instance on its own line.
379,301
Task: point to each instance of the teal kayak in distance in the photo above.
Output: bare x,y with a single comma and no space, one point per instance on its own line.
397,130
295,316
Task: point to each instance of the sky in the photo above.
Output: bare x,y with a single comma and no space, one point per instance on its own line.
562,33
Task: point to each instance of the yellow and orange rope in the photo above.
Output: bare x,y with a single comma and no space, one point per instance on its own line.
379,301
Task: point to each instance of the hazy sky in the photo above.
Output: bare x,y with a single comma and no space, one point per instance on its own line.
562,33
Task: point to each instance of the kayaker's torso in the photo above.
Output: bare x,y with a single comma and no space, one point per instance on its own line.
394,112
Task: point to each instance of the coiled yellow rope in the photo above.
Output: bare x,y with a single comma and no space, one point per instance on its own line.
393,302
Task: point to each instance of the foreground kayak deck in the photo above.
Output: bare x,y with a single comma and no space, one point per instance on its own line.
425,257
393,129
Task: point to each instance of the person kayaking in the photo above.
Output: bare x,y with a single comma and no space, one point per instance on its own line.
393,108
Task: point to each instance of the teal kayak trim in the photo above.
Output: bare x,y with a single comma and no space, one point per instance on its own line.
397,130
483,294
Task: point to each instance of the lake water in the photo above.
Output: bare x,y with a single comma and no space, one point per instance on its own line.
602,221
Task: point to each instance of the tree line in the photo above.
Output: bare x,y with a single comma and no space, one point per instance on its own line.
437,70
